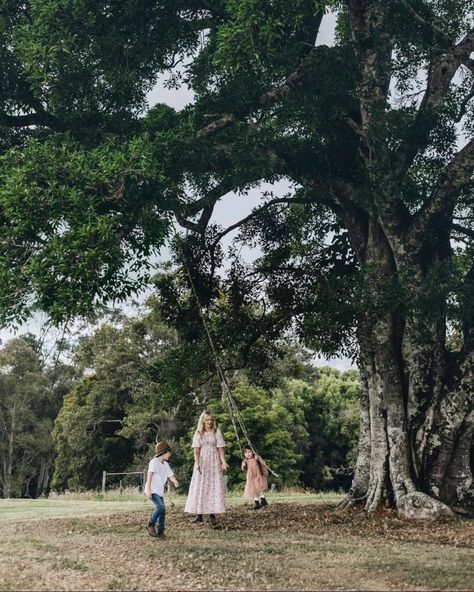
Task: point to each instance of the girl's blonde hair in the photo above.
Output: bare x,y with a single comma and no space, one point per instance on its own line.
201,421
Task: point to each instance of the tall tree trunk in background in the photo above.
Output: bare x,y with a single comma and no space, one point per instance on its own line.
44,475
8,470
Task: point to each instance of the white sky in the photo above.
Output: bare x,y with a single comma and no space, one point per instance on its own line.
229,210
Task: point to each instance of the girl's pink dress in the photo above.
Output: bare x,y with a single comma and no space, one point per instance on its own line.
206,491
256,481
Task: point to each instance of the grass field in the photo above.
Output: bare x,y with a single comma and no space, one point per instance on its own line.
299,542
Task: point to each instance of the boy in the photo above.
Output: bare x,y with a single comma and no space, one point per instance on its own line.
159,472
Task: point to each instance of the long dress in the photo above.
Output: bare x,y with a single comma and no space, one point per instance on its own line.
207,489
256,479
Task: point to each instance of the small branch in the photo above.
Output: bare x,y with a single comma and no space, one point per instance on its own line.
469,232
464,104
257,211
437,31
216,126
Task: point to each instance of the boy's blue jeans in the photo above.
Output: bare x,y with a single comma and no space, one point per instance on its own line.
159,513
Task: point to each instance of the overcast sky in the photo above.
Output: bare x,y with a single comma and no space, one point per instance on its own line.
229,209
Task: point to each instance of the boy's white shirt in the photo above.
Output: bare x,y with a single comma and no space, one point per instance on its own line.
161,473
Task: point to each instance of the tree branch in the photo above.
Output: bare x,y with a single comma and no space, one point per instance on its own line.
431,27
269,98
42,119
468,309
456,176
440,74
356,221
257,211
458,173
205,205
469,232
464,104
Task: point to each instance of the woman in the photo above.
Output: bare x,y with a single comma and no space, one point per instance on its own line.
206,492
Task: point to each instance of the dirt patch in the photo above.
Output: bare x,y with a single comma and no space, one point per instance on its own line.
282,547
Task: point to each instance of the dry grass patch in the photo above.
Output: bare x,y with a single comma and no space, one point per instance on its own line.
282,547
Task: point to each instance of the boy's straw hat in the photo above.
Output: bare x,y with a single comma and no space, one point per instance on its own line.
161,448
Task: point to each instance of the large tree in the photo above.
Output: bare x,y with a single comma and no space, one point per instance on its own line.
374,135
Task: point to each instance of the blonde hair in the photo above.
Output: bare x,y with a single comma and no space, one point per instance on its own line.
201,422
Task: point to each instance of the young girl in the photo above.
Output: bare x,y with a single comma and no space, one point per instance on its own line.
257,478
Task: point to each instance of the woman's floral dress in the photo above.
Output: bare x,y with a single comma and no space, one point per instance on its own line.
206,492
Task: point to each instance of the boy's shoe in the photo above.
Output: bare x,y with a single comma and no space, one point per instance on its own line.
256,505
263,502
151,530
212,520
197,520
161,534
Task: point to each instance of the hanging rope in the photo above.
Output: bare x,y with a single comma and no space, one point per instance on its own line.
234,412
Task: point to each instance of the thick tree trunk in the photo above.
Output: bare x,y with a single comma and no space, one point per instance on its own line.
389,469
457,487
417,421
360,481
448,473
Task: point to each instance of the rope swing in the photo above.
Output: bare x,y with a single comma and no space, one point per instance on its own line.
234,412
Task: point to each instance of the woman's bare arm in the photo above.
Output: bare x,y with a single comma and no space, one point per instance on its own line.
197,455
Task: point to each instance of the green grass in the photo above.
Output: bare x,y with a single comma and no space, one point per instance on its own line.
299,542
19,510
27,510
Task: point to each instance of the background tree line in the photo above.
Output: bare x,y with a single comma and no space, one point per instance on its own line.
31,395
135,379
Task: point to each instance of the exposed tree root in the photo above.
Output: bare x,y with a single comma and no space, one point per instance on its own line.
350,501
413,505
423,507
